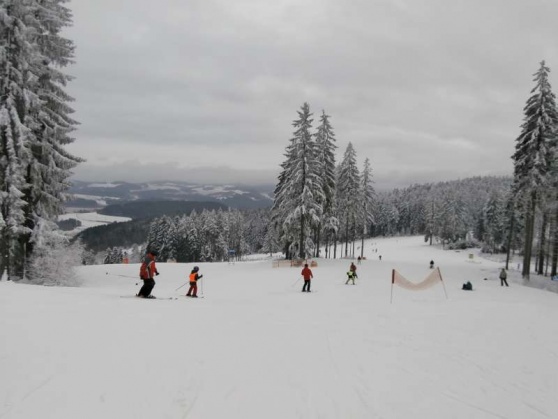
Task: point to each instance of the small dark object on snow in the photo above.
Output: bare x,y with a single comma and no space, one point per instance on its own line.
467,286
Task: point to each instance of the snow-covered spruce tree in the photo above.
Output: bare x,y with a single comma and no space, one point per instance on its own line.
299,192
494,223
367,194
34,122
534,155
16,56
54,258
348,192
158,234
325,142
452,223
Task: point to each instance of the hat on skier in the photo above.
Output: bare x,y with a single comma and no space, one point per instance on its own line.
195,269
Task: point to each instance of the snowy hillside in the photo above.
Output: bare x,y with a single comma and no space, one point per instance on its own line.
256,347
90,219
90,195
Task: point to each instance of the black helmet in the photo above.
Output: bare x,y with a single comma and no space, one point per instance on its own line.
154,253
195,269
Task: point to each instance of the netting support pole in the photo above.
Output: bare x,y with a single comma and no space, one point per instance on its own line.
392,281
443,285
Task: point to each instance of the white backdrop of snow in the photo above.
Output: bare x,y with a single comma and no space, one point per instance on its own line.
256,347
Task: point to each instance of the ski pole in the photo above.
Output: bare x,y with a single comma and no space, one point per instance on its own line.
124,276
295,282
181,286
201,286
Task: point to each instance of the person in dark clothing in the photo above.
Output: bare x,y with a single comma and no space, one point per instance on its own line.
467,286
194,276
148,270
503,277
431,264
307,275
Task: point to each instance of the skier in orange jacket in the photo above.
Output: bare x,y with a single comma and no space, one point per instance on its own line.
193,290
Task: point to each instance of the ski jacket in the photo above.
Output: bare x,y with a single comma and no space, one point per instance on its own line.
307,274
503,274
148,268
194,277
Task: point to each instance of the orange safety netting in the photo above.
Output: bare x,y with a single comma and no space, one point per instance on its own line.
433,279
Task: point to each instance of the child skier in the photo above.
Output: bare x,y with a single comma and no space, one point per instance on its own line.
193,291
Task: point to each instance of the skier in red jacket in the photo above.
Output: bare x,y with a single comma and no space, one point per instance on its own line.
148,270
307,275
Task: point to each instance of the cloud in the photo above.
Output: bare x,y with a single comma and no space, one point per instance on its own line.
216,83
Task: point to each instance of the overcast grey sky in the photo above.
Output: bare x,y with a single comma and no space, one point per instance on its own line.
207,90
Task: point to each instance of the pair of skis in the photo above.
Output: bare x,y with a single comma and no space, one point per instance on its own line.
157,298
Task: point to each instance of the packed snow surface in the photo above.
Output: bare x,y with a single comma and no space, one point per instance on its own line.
257,347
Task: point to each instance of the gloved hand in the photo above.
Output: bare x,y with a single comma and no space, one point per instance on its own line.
156,273
200,277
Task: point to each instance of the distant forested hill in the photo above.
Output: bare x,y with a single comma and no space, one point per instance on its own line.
142,213
98,239
154,209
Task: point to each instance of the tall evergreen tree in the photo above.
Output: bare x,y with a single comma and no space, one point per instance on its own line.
348,193
34,124
367,201
299,192
325,140
534,154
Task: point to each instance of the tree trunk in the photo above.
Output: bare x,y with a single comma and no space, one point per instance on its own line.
318,238
510,240
335,247
554,246
4,257
542,245
529,230
302,250
347,236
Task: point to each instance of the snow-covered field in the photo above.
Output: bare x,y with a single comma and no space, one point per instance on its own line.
256,347
91,219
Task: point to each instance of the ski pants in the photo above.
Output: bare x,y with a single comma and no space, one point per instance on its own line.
147,287
306,286
193,290
351,278
504,281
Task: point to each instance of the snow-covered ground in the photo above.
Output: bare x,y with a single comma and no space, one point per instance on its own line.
256,347
90,219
